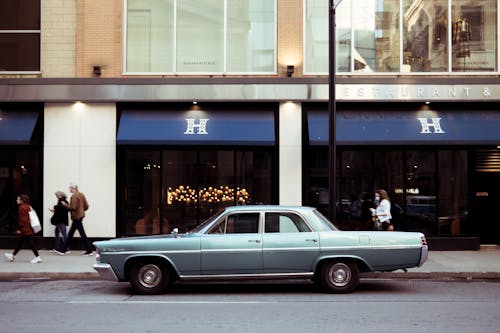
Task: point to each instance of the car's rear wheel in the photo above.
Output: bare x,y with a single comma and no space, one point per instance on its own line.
149,277
339,276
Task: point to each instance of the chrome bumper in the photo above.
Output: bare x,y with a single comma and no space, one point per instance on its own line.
105,271
424,253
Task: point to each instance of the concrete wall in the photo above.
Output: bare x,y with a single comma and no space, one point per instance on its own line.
80,146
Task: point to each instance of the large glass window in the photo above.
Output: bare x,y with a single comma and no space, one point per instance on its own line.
20,36
200,36
474,35
427,188
425,36
166,189
149,39
372,36
250,37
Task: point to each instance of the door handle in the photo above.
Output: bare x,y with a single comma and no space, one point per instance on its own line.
312,240
254,240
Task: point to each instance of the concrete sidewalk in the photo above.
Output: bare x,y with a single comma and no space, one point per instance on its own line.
482,264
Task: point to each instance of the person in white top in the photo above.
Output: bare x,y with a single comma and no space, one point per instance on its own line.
383,209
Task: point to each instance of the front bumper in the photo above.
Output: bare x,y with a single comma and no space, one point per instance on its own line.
105,271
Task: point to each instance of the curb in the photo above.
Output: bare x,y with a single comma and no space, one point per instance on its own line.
10,276
493,276
467,276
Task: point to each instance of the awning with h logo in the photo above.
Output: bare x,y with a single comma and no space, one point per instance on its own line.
407,127
197,127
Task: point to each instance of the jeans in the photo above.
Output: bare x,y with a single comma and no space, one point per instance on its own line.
60,237
20,242
77,225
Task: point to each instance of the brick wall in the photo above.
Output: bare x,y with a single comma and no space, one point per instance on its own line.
58,35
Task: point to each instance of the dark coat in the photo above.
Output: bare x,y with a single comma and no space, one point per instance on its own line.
23,220
60,213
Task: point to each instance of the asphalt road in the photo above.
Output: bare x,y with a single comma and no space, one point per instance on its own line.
377,306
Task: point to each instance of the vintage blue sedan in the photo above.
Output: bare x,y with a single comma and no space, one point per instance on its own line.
250,242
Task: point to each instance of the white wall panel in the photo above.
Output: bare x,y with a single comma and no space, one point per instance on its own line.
80,146
290,154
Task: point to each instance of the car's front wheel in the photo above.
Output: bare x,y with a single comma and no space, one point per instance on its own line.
339,276
149,277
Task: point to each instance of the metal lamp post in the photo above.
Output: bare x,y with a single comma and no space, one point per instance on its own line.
332,110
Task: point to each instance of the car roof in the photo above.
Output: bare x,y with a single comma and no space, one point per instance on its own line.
267,208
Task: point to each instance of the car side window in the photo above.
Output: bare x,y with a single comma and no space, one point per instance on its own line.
241,223
284,222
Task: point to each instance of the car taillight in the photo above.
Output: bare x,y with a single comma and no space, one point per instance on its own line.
424,241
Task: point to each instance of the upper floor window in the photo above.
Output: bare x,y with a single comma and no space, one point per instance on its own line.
19,36
200,37
403,36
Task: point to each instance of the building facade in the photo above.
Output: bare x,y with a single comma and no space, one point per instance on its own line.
164,111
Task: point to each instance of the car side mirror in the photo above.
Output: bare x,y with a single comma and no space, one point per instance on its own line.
175,232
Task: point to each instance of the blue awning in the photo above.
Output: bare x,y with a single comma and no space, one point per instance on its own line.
16,128
407,128
196,127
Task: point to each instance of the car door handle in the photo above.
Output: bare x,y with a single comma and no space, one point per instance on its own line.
254,240
312,240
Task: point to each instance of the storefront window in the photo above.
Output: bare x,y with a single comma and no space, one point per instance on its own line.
149,39
425,36
372,36
452,199
250,43
181,188
202,36
474,35
376,36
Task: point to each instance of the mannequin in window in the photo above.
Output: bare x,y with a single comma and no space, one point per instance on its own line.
462,36
418,39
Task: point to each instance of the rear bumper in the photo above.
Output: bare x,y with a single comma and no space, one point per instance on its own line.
424,253
105,271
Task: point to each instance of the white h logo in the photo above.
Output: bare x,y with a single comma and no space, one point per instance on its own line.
201,126
426,126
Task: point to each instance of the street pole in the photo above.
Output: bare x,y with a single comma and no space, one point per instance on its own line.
332,110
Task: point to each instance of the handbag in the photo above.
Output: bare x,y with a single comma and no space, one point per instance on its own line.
377,225
34,221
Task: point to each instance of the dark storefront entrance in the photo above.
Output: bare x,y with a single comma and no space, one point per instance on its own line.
425,156
20,160
182,163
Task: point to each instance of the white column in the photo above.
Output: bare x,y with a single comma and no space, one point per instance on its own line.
80,146
290,153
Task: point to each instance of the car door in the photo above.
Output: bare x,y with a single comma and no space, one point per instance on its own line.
289,244
233,245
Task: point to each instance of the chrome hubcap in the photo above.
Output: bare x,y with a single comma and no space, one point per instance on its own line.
340,274
149,276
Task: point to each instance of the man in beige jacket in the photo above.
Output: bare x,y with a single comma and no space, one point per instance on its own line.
77,206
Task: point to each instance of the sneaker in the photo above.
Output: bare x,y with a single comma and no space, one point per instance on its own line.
53,251
10,257
59,252
36,260
88,253
67,252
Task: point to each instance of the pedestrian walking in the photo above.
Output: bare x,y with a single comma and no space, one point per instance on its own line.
383,209
60,221
77,206
24,229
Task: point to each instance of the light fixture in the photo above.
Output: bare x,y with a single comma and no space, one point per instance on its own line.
427,103
290,69
195,102
97,70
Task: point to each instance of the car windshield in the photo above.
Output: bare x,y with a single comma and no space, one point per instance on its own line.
204,224
323,223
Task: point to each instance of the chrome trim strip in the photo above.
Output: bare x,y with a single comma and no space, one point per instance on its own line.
423,255
371,247
149,252
248,276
